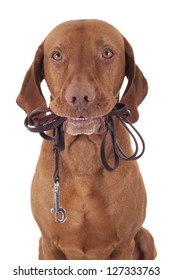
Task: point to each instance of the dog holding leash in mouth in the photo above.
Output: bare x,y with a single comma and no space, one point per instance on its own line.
84,63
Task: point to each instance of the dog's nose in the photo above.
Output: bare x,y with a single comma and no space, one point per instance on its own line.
80,97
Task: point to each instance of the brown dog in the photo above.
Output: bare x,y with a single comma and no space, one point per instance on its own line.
84,63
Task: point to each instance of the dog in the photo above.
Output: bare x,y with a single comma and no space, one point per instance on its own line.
84,63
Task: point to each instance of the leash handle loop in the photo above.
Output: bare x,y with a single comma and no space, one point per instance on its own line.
43,119
121,112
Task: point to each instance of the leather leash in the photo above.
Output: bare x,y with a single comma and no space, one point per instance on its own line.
43,119
122,113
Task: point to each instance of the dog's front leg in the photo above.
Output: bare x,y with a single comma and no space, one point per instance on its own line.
144,246
123,251
48,250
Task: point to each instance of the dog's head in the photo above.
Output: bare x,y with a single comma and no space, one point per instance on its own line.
84,63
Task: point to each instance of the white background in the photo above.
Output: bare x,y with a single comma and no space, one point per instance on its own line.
148,27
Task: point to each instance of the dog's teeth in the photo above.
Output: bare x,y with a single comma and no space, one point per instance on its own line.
80,119
83,119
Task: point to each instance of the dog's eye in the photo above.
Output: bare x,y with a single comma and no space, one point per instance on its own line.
57,56
107,54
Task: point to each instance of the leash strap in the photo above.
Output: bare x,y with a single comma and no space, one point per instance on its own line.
60,213
122,113
43,119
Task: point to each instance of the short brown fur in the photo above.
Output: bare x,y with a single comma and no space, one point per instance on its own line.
105,211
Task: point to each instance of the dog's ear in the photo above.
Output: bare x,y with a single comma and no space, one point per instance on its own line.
30,96
137,87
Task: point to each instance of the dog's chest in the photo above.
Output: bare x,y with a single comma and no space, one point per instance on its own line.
101,206
91,229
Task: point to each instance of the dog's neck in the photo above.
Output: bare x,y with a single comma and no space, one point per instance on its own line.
81,156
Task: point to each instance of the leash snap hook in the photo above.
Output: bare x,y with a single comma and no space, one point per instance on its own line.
60,213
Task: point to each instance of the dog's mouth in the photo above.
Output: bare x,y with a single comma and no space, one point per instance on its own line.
83,125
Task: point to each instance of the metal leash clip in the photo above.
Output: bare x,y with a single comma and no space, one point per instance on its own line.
58,211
